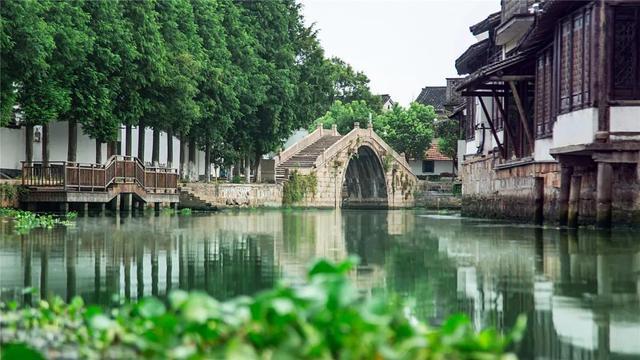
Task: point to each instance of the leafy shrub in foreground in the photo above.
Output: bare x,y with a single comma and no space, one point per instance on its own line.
326,318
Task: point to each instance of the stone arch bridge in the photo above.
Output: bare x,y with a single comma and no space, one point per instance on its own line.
356,170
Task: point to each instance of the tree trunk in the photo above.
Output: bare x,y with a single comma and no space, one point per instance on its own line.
192,172
98,152
72,147
127,144
170,149
45,145
155,151
258,168
247,170
28,148
183,156
141,132
207,162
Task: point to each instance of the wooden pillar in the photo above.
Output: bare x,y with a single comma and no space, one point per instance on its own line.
603,195
103,208
574,201
538,200
64,207
563,197
85,209
156,207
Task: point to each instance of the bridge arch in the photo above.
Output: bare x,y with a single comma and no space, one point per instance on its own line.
364,184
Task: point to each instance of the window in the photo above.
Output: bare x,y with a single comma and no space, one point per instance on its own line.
626,60
543,117
428,166
470,120
574,45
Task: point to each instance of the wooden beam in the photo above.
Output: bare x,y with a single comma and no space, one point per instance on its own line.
511,77
507,128
482,93
493,128
523,115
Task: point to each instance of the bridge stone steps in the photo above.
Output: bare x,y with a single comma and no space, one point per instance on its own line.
306,157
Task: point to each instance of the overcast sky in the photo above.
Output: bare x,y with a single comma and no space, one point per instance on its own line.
402,45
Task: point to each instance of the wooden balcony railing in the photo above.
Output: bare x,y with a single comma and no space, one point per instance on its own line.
72,176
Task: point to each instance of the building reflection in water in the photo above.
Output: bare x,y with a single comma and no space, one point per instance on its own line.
579,289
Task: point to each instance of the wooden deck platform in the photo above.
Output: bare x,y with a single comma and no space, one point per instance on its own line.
69,182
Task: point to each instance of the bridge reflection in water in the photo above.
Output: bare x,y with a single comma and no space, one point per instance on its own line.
580,290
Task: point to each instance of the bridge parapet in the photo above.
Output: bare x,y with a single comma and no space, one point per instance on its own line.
287,153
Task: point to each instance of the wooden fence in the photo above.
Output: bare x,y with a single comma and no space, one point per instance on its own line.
72,176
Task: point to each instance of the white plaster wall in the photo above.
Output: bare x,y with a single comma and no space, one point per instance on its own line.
12,149
471,147
624,118
577,127
439,167
542,148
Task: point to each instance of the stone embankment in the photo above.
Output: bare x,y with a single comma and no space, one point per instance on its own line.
203,196
438,195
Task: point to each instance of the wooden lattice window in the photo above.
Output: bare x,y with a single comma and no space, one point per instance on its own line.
625,77
543,91
470,119
574,46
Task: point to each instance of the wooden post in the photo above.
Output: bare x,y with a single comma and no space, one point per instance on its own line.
85,209
603,195
574,201
507,128
523,115
538,200
493,129
563,197
103,207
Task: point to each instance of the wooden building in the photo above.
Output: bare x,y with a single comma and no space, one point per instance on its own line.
552,117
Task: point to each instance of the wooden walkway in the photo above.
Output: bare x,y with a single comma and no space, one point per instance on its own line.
70,182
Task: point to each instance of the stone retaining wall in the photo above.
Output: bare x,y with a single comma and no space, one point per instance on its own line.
237,195
508,192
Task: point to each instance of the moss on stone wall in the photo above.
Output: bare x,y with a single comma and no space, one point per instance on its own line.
298,187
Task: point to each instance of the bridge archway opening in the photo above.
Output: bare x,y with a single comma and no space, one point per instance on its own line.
364,184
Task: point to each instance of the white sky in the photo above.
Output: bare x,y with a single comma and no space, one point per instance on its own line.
402,45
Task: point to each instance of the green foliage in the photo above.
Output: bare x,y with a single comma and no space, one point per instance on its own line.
448,133
351,85
185,212
24,221
298,187
325,318
8,191
343,115
408,130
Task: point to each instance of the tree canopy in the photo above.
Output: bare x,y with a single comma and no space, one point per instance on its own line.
237,77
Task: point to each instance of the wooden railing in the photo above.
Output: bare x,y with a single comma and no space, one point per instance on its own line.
72,176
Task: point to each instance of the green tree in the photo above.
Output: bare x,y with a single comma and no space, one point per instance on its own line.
97,83
408,130
343,115
351,85
145,76
448,133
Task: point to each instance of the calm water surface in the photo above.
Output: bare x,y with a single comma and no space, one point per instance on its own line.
580,290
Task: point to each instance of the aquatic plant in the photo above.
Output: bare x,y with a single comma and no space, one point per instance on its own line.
185,212
24,221
325,318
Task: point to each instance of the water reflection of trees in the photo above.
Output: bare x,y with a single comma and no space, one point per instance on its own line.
149,256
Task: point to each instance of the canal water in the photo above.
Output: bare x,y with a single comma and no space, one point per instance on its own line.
580,290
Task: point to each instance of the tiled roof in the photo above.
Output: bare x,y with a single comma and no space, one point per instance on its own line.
385,98
433,152
433,95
